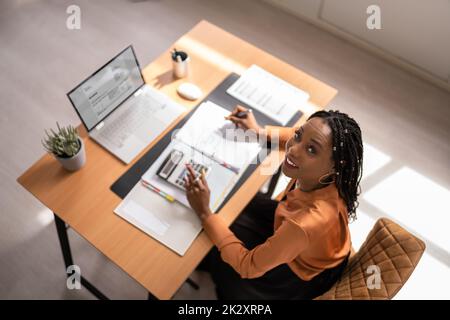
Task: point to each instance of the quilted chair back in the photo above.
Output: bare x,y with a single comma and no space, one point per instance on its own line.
382,265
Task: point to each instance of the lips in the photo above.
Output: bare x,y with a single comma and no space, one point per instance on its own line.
290,163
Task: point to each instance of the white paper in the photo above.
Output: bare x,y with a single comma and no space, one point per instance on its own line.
170,223
146,217
208,132
268,94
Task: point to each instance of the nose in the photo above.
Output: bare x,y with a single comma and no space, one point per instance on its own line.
293,151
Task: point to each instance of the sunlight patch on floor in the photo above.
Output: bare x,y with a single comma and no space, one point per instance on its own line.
360,228
373,160
417,202
45,217
429,280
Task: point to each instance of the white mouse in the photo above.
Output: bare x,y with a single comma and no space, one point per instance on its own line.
189,91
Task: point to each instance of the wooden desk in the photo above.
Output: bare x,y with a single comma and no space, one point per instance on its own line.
84,201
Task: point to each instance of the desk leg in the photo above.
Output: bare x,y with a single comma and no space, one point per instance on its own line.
192,283
151,296
67,255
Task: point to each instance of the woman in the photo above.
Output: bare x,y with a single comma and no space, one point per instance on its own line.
296,248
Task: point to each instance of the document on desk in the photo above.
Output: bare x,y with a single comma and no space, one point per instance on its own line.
208,132
171,223
210,140
268,94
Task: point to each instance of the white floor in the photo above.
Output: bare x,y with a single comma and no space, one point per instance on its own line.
405,123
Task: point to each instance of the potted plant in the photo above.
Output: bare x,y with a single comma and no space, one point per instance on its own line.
67,147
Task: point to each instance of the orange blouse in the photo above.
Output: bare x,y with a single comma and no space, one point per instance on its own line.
311,233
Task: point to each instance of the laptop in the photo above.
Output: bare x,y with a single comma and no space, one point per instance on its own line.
120,111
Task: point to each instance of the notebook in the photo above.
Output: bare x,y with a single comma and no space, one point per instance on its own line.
209,133
209,142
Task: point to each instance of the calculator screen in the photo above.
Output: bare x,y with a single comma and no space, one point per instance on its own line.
171,162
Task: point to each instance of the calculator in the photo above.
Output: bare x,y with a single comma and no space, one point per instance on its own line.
173,169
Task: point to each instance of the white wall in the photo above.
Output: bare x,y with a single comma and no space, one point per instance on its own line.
415,34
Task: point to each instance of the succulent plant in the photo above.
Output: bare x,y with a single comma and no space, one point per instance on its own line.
65,143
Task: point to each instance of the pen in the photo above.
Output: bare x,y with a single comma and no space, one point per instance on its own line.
240,114
174,54
158,191
243,114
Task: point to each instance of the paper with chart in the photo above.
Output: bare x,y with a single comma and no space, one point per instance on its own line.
268,94
208,132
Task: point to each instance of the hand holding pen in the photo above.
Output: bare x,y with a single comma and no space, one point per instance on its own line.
244,118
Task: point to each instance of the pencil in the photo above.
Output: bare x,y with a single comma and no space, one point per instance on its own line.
158,191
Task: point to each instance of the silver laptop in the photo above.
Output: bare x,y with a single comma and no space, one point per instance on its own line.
119,110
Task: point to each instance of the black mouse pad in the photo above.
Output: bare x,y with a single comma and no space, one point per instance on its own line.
128,180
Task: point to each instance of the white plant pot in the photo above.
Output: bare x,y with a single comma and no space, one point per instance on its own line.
77,161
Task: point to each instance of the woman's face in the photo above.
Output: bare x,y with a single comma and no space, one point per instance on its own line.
309,154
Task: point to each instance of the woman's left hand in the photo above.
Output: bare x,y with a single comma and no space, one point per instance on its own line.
197,193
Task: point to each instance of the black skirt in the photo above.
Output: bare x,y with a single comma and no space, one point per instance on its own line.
253,227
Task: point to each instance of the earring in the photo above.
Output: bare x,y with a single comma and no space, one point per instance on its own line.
326,175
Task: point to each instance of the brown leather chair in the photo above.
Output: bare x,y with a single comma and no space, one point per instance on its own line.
390,250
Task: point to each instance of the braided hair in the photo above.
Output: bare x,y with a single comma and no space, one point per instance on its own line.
347,155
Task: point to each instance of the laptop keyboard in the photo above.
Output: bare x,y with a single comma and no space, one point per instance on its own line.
117,131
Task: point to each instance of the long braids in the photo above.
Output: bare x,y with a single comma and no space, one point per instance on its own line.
347,155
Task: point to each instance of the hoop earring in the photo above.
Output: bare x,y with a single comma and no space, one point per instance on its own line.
326,175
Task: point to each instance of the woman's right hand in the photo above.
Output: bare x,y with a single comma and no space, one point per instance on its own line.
247,122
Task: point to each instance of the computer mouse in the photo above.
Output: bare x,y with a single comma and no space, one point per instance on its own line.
189,91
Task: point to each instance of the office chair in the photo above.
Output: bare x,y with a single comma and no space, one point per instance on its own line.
381,266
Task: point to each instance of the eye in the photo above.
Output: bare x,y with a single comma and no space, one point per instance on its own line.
311,149
297,135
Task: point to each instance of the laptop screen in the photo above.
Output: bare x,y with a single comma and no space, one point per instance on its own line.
97,96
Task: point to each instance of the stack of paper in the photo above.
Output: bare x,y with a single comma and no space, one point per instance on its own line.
268,94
